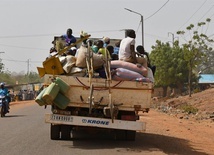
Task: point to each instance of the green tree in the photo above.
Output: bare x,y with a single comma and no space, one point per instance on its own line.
171,67
160,57
194,49
178,67
6,77
1,66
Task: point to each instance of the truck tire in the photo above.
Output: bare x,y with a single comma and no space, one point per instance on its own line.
120,134
130,135
2,112
65,132
55,132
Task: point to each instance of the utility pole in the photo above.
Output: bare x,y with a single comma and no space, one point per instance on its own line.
141,17
173,38
1,53
28,63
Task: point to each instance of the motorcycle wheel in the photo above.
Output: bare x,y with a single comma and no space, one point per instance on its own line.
2,111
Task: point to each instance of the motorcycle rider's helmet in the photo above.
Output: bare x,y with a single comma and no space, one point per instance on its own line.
2,84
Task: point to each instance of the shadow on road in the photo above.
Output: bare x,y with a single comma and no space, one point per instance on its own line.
8,116
144,142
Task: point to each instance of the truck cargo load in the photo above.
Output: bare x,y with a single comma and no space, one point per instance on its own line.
89,100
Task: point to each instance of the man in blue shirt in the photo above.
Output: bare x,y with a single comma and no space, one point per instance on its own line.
69,38
4,91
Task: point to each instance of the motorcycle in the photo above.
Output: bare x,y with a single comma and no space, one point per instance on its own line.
3,105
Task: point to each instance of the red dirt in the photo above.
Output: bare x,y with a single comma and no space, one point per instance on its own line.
169,119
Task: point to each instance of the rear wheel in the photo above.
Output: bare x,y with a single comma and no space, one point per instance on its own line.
120,134
130,135
2,111
65,132
55,132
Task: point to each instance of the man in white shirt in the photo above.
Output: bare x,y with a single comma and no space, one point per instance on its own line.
127,49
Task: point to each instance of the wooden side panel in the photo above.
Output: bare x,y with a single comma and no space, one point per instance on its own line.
127,93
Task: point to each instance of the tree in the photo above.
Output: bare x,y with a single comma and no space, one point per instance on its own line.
160,57
179,68
171,67
194,49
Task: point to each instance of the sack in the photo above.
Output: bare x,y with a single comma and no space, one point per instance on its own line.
78,72
130,66
127,75
81,59
69,63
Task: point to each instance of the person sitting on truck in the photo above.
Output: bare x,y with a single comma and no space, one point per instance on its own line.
97,45
68,37
127,50
140,53
109,49
117,47
72,51
52,52
106,41
62,41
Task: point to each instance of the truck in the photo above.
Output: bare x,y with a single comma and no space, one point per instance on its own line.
97,103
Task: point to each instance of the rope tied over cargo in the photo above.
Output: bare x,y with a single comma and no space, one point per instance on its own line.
96,88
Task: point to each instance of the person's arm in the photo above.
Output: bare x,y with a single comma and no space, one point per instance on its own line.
148,60
133,54
5,91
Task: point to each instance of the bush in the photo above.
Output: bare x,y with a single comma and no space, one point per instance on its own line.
189,109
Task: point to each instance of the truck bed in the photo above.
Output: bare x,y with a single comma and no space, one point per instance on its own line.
126,95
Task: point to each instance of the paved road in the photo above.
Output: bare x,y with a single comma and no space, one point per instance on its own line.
23,132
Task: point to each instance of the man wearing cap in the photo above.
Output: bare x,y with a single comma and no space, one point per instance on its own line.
106,41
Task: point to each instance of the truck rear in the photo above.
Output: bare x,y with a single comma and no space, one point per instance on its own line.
94,102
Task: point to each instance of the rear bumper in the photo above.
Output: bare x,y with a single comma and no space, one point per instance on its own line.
95,122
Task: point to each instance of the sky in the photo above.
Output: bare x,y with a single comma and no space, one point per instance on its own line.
28,26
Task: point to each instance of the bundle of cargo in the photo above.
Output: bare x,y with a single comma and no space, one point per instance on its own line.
126,71
54,66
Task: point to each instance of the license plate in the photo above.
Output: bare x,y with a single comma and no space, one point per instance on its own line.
62,118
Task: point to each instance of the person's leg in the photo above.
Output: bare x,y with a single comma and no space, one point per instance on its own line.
142,61
153,68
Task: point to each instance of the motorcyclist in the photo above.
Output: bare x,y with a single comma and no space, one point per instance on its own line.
4,91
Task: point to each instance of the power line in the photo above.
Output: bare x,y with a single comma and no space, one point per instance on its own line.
45,35
104,31
32,35
193,14
24,47
21,61
157,11
206,12
211,15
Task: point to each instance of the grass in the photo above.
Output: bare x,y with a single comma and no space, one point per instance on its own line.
189,109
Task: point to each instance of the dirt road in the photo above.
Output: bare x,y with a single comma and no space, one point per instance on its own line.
179,136
165,135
